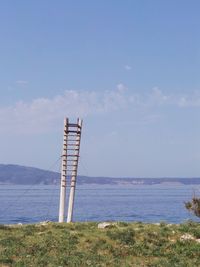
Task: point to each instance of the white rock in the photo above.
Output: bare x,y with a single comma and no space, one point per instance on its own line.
104,225
187,237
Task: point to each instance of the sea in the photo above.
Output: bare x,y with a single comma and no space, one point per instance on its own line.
130,203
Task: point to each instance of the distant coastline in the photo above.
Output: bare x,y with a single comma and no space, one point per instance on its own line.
15,174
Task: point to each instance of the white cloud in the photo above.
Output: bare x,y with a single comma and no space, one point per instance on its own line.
121,87
159,98
45,114
21,82
186,101
127,67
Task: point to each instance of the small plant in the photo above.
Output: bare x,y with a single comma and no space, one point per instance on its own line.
122,224
4,227
194,206
125,236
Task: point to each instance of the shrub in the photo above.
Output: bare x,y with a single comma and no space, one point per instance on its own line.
125,236
194,206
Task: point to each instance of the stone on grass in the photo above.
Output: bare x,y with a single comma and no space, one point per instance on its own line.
105,225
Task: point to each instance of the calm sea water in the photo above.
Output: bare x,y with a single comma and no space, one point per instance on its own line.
28,204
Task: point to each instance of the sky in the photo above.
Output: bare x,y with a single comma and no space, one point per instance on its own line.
130,69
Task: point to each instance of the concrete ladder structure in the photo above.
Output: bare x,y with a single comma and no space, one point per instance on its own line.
69,168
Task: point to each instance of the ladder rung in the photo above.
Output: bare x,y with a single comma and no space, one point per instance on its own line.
73,131
74,125
73,149
65,160
73,155
72,145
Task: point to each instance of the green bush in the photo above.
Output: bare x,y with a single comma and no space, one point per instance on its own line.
194,206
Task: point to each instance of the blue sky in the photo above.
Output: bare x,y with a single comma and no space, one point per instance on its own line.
129,68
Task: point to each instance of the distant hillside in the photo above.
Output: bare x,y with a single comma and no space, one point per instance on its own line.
15,174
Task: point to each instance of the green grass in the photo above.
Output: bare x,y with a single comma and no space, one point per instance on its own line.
83,244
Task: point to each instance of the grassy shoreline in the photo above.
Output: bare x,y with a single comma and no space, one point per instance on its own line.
83,244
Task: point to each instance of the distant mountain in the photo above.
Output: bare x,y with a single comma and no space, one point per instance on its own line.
15,174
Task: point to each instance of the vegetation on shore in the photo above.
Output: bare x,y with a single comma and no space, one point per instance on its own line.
83,244
194,206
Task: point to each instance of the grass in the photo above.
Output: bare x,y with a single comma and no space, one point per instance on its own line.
83,244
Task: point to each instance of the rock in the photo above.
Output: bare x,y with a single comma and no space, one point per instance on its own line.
187,237
105,225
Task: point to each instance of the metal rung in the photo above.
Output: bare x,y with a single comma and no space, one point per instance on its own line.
73,155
